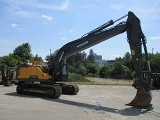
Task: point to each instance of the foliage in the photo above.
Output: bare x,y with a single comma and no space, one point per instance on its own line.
77,60
127,56
1,60
91,56
82,70
19,55
77,63
36,57
127,59
24,52
119,59
155,61
117,67
104,72
119,70
52,55
73,77
127,74
92,68
11,60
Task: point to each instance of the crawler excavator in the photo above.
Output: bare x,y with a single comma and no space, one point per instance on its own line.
51,80
6,75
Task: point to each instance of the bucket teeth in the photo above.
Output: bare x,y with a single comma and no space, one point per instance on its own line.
142,98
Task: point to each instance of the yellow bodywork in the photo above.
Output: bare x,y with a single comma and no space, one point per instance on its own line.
32,72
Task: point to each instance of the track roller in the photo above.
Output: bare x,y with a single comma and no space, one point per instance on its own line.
54,92
19,89
70,89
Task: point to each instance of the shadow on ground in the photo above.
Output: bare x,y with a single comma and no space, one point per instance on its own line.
129,111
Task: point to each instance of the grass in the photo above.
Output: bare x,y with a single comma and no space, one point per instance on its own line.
73,77
79,79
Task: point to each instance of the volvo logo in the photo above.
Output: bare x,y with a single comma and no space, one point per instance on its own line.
82,44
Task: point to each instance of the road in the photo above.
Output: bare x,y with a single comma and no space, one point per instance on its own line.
93,102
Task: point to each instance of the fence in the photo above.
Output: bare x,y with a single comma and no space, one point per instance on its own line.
107,81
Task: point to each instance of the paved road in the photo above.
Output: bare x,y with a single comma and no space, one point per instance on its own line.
93,102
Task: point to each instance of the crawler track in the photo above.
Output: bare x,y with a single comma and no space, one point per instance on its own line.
50,91
70,89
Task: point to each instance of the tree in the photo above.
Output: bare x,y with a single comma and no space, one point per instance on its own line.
92,68
84,58
82,70
19,55
1,60
11,60
77,61
128,61
127,73
155,61
119,59
117,68
24,52
91,56
127,57
51,56
36,57
104,72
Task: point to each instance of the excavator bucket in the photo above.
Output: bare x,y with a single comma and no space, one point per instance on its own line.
142,98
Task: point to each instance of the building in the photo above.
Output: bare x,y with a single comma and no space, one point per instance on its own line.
109,63
98,59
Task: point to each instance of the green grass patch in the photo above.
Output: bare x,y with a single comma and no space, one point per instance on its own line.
73,77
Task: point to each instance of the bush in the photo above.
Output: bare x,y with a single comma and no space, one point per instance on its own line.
81,70
73,77
92,68
104,72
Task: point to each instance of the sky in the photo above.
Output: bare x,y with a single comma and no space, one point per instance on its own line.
49,24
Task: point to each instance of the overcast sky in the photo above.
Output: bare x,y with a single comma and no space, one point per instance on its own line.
49,24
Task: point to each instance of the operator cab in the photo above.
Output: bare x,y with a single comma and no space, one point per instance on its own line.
64,74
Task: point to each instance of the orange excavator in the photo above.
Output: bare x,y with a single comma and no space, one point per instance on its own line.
50,79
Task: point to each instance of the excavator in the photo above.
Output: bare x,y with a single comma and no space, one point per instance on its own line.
6,75
51,79
155,80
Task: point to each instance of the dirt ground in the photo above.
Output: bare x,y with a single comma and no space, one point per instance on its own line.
93,102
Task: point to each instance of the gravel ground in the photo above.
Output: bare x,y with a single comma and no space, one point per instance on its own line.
93,102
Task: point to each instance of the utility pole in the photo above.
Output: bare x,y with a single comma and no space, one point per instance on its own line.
152,50
50,52
153,63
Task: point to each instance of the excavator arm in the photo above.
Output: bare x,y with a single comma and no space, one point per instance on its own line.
136,39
